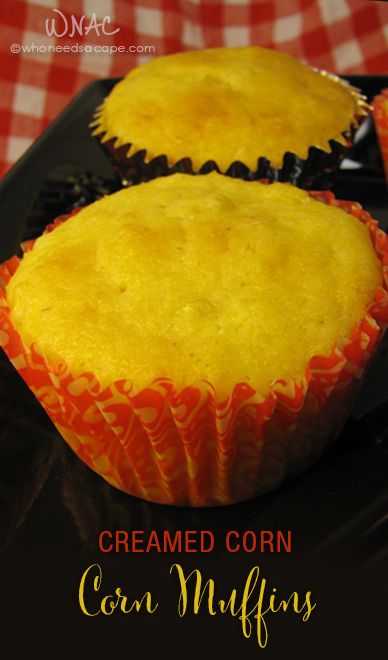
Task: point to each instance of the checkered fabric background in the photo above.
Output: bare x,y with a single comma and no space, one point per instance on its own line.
339,35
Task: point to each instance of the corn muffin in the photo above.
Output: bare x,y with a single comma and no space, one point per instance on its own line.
196,279
198,339
380,117
227,105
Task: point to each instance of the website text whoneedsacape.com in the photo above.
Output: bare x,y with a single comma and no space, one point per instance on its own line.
29,49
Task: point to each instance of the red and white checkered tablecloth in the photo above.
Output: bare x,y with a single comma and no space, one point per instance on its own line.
349,36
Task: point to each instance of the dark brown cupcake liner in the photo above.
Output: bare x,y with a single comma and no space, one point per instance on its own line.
314,172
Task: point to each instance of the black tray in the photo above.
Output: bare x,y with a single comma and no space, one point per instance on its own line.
52,506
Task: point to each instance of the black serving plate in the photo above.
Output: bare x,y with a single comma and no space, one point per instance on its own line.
52,506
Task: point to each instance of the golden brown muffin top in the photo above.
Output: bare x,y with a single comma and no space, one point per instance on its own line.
227,104
196,277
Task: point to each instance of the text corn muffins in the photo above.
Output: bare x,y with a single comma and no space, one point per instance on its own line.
249,106
198,339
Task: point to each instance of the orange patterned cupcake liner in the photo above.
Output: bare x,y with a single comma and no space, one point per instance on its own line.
185,447
380,117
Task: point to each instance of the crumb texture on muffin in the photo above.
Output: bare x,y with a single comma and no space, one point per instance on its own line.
196,278
226,104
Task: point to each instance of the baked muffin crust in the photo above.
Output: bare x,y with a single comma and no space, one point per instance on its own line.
196,278
226,104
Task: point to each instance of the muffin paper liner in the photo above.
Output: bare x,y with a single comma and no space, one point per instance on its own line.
315,171
380,117
185,447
